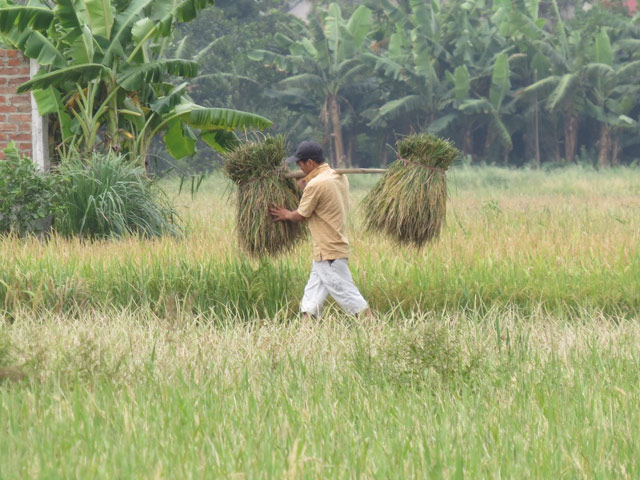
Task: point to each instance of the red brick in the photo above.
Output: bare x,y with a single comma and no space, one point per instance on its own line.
21,137
16,81
20,99
22,117
11,53
7,108
23,127
15,71
23,108
14,62
7,89
21,77
7,127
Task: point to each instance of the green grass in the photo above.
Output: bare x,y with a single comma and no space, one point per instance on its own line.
567,249
108,196
128,395
508,349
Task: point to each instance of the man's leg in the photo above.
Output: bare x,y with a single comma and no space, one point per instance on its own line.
337,279
315,293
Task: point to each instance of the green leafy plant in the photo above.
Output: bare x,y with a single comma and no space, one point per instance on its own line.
105,76
25,194
110,196
326,67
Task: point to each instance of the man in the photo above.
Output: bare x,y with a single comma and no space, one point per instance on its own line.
324,206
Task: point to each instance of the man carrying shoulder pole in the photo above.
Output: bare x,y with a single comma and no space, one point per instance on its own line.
324,205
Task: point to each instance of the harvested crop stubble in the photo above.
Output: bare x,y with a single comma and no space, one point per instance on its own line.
409,203
258,171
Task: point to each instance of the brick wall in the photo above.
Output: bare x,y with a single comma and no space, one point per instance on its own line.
15,109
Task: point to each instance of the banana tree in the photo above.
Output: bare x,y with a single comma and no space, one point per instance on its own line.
325,67
104,74
588,82
491,108
440,54
564,88
411,63
611,97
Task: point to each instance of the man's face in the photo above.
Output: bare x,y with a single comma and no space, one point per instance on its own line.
307,166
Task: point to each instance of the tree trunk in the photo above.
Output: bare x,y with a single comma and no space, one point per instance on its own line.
615,149
467,141
570,136
556,146
604,146
327,143
350,147
537,134
488,140
334,109
385,153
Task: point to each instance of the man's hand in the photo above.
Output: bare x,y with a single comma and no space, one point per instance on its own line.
301,183
280,214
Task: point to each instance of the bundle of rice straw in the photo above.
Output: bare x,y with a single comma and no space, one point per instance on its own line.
257,169
409,203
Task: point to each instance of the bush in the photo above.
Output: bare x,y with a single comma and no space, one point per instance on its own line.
25,194
110,196
425,355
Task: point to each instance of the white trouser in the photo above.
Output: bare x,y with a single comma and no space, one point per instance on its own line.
331,277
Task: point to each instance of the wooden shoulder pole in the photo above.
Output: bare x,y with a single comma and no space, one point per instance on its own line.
300,173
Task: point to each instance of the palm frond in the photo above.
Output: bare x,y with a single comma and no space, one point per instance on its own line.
137,77
476,106
541,88
75,74
304,81
35,18
563,91
35,45
629,72
219,118
402,106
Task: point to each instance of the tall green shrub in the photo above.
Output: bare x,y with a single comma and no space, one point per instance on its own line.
25,194
110,196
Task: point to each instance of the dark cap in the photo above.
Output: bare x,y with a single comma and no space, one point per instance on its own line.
305,150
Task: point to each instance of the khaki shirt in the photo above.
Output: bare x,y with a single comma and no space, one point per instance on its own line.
325,204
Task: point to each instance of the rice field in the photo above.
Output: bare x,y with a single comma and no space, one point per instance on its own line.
508,349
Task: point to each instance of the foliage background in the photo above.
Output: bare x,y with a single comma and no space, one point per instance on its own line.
469,35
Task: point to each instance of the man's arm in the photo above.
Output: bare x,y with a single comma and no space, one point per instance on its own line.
281,214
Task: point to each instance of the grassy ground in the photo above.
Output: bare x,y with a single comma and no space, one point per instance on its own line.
567,240
509,349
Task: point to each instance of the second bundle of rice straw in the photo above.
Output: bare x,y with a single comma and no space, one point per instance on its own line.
409,203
